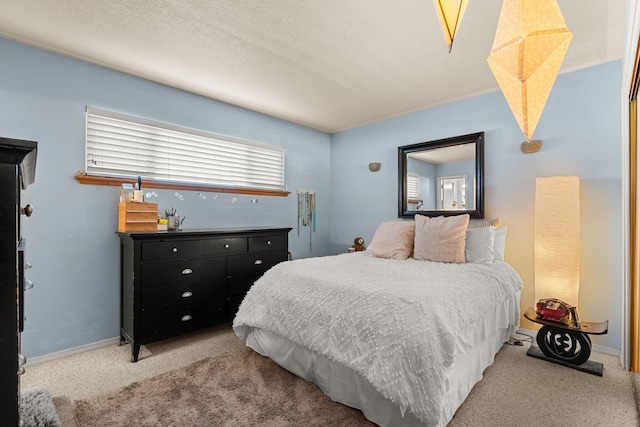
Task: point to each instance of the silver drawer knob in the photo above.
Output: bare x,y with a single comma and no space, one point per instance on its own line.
226,246
268,242
187,271
27,265
174,250
258,262
21,371
186,318
28,284
27,210
187,294
22,360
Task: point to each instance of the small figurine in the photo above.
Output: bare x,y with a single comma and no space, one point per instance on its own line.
358,244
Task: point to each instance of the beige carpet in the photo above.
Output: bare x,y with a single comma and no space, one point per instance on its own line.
516,389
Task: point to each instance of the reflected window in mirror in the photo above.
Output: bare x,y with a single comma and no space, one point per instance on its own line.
442,177
413,189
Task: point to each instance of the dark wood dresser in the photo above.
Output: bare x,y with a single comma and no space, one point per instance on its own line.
178,282
17,171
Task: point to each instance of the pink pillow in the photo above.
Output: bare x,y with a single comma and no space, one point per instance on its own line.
393,239
440,239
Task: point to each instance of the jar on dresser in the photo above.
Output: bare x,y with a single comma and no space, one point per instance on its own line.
177,282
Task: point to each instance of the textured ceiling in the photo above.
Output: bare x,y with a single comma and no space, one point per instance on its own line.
327,64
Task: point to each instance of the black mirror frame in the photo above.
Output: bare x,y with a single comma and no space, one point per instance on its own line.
478,139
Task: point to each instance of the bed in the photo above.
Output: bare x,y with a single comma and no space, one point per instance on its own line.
402,339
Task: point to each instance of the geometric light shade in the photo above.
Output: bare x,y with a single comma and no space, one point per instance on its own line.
531,41
557,238
450,14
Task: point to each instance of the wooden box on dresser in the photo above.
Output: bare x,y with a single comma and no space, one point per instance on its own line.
174,282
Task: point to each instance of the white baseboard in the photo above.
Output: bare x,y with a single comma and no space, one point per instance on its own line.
71,351
595,347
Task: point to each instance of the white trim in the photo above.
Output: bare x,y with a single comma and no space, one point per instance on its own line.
605,350
71,351
595,347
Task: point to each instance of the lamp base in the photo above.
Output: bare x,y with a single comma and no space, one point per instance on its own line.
589,366
532,146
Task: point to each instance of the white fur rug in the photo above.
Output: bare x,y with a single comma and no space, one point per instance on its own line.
37,408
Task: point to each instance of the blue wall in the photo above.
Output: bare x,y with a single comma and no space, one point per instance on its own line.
580,130
71,241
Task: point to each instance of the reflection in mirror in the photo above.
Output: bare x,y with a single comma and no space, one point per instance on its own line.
442,177
453,192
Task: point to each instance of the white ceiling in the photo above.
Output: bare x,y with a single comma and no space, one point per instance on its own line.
456,153
327,64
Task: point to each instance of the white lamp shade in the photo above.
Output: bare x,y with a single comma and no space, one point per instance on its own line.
531,41
557,238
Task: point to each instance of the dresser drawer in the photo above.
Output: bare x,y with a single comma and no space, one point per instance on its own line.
233,304
174,322
238,286
268,243
180,296
254,263
224,246
175,272
156,251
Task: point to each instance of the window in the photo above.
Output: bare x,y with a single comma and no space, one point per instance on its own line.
413,187
120,146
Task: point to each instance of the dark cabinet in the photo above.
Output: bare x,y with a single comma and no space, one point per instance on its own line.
17,171
177,282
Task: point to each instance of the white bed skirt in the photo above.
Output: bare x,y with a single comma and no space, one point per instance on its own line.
350,388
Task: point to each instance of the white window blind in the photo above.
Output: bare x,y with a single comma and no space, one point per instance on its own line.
123,146
413,187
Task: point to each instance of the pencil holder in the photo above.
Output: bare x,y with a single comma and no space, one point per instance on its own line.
171,222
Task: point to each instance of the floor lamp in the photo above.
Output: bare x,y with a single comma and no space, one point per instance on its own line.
557,238
557,275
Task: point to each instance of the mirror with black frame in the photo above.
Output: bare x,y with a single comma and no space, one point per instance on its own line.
442,177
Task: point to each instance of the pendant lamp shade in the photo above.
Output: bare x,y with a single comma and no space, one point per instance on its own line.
450,14
557,238
531,41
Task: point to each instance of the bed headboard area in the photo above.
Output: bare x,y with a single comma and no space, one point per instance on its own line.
451,239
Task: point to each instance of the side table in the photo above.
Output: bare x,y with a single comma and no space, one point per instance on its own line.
566,345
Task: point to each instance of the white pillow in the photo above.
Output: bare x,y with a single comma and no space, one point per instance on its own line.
499,243
479,244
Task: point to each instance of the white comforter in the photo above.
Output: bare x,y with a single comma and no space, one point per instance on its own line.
400,324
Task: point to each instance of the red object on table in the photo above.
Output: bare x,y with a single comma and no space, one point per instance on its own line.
553,309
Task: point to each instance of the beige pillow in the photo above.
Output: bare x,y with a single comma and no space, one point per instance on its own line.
393,239
441,238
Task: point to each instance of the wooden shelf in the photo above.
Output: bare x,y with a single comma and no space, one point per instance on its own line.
595,328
